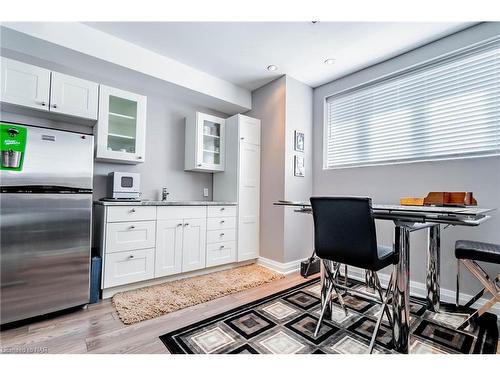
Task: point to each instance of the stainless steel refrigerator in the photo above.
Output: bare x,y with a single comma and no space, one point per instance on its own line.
45,224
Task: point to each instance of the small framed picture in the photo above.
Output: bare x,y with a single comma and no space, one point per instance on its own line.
299,166
299,141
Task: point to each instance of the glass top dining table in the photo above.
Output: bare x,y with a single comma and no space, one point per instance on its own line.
406,220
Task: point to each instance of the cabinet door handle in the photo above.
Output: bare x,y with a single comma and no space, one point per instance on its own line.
132,227
242,138
222,209
132,210
222,221
186,224
179,225
139,157
130,257
199,165
43,104
221,247
54,105
221,235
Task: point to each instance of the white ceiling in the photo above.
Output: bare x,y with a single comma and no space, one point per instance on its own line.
239,52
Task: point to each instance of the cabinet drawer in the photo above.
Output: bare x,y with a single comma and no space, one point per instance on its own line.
130,213
181,212
221,253
130,236
128,267
224,235
221,211
216,223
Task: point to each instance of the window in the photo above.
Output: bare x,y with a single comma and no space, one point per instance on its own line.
446,109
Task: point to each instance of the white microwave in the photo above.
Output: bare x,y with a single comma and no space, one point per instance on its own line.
124,185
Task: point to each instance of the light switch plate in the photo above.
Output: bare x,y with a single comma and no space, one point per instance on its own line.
205,192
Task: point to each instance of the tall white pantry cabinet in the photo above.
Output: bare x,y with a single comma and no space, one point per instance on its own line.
240,181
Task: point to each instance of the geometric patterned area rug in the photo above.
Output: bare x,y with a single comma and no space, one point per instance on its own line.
284,323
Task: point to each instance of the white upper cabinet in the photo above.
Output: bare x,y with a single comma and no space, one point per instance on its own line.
205,143
25,85
121,126
249,130
73,96
51,92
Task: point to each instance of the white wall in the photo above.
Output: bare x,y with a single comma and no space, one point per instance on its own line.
386,184
164,164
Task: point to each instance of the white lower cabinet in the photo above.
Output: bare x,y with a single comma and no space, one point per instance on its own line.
193,244
168,247
130,236
128,267
140,243
221,253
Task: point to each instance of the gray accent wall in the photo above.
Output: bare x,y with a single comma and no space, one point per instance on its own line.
298,227
269,106
164,164
386,184
283,106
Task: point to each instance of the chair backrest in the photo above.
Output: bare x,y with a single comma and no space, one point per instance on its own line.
344,230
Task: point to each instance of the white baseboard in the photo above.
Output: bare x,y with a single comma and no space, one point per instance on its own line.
416,289
284,268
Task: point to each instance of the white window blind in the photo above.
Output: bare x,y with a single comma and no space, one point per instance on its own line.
446,109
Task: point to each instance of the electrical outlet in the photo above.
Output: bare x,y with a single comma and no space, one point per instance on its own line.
205,192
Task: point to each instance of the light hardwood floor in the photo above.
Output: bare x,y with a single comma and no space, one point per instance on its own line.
98,329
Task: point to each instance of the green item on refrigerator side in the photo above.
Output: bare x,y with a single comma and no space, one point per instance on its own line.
12,146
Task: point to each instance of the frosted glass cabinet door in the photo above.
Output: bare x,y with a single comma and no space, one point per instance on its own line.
121,126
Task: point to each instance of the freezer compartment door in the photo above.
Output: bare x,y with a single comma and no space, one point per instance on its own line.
53,158
45,253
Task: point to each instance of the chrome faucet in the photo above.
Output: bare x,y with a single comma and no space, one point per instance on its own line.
164,194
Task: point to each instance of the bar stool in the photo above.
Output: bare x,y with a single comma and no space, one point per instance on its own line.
469,253
344,233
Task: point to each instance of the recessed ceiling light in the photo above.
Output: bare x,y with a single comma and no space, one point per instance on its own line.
330,61
272,68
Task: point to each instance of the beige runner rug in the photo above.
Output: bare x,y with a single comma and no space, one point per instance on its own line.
153,301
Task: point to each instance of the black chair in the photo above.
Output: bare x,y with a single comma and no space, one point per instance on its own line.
469,253
344,233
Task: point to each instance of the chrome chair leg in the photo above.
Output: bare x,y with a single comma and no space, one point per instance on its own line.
489,286
378,287
345,275
332,278
377,327
384,308
328,296
457,297
339,295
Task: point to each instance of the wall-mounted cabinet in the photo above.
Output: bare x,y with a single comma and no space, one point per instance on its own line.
121,126
205,143
31,87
